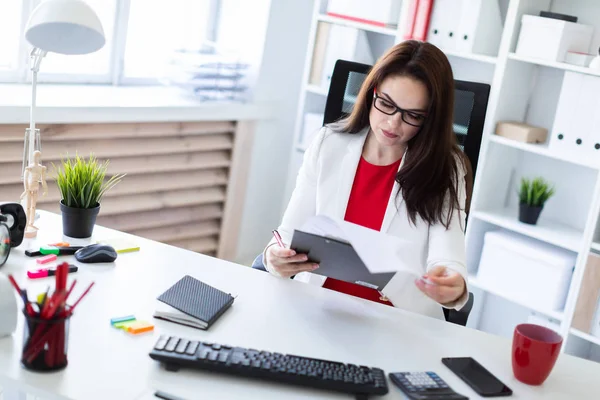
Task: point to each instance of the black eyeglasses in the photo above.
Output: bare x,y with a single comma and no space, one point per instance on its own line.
388,108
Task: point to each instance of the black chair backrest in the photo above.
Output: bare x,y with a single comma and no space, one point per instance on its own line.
471,99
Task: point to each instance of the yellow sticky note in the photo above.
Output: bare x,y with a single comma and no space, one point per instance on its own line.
121,245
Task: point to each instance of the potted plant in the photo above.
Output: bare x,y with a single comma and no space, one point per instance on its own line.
532,196
82,184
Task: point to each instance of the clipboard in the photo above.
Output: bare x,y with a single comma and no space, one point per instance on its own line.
337,259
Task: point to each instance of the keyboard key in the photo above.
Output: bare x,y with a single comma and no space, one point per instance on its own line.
181,346
162,342
191,350
172,344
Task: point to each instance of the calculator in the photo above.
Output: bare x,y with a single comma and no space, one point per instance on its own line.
424,386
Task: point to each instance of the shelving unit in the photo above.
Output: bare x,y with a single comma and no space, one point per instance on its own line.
547,231
586,336
523,89
554,64
357,25
534,148
557,315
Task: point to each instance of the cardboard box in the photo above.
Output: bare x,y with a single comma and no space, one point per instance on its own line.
521,132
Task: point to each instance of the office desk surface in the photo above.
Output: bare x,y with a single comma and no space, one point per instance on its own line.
268,314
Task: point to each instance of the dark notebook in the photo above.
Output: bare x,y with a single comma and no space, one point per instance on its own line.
193,303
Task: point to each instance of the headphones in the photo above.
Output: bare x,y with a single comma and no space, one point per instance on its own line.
12,228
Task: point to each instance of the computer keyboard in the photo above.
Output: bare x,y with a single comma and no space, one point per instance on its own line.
178,352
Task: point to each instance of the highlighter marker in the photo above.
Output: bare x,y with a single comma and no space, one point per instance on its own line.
60,251
33,253
46,272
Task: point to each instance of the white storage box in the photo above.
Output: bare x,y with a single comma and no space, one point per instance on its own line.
376,12
551,39
525,270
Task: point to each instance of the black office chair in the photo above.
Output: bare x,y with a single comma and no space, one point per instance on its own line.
470,106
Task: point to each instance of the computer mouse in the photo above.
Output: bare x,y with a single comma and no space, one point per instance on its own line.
96,253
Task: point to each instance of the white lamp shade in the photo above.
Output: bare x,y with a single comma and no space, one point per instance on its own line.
65,27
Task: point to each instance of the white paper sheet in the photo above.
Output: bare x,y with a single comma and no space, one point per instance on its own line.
380,252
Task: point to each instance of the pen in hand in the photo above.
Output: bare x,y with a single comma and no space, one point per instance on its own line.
278,238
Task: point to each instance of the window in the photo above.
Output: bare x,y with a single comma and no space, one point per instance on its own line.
140,36
159,27
10,30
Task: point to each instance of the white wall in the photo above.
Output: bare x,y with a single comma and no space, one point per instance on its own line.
279,80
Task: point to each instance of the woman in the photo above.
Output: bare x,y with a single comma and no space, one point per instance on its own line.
392,165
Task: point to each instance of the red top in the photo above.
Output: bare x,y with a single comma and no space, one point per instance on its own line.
368,201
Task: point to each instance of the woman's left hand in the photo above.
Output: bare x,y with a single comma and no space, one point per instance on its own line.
446,285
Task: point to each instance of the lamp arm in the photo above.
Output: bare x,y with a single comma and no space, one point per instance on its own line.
36,59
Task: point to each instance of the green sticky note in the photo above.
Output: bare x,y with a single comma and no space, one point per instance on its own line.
124,325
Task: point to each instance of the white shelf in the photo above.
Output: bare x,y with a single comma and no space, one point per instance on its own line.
558,315
541,149
547,231
586,336
471,56
596,246
554,64
358,25
324,92
317,90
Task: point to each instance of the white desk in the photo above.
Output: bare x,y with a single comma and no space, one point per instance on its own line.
268,314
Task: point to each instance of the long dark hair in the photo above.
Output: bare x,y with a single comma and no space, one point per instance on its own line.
429,177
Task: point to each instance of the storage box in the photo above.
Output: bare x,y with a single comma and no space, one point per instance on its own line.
579,58
521,132
375,12
525,270
551,39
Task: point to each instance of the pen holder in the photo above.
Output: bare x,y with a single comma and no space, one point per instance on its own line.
45,343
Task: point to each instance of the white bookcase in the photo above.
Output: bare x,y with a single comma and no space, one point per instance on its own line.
522,89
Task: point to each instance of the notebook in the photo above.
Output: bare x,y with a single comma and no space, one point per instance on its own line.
192,303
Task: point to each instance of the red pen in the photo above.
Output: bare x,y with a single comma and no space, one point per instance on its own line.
278,238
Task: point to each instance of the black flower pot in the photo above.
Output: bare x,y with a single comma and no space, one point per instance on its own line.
529,214
78,222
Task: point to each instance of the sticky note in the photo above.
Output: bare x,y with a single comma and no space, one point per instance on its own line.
122,319
121,245
46,259
123,325
138,327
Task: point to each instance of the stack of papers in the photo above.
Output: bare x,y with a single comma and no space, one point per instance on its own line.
379,252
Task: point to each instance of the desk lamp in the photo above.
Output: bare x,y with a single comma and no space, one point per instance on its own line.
59,26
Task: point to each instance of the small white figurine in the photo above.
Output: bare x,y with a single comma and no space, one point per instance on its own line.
35,174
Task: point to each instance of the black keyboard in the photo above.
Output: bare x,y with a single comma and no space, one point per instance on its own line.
177,352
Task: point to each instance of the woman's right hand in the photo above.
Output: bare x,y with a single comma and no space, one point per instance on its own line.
286,262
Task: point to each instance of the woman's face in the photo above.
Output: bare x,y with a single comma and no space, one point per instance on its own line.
402,92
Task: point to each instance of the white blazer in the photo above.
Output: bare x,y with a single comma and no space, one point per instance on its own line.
323,186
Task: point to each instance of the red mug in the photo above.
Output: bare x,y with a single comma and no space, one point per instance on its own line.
534,353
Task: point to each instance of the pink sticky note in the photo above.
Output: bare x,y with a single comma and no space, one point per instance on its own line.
46,259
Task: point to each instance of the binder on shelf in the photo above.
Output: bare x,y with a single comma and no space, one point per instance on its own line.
382,13
574,132
442,24
422,18
469,26
589,294
409,12
480,28
345,43
318,58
